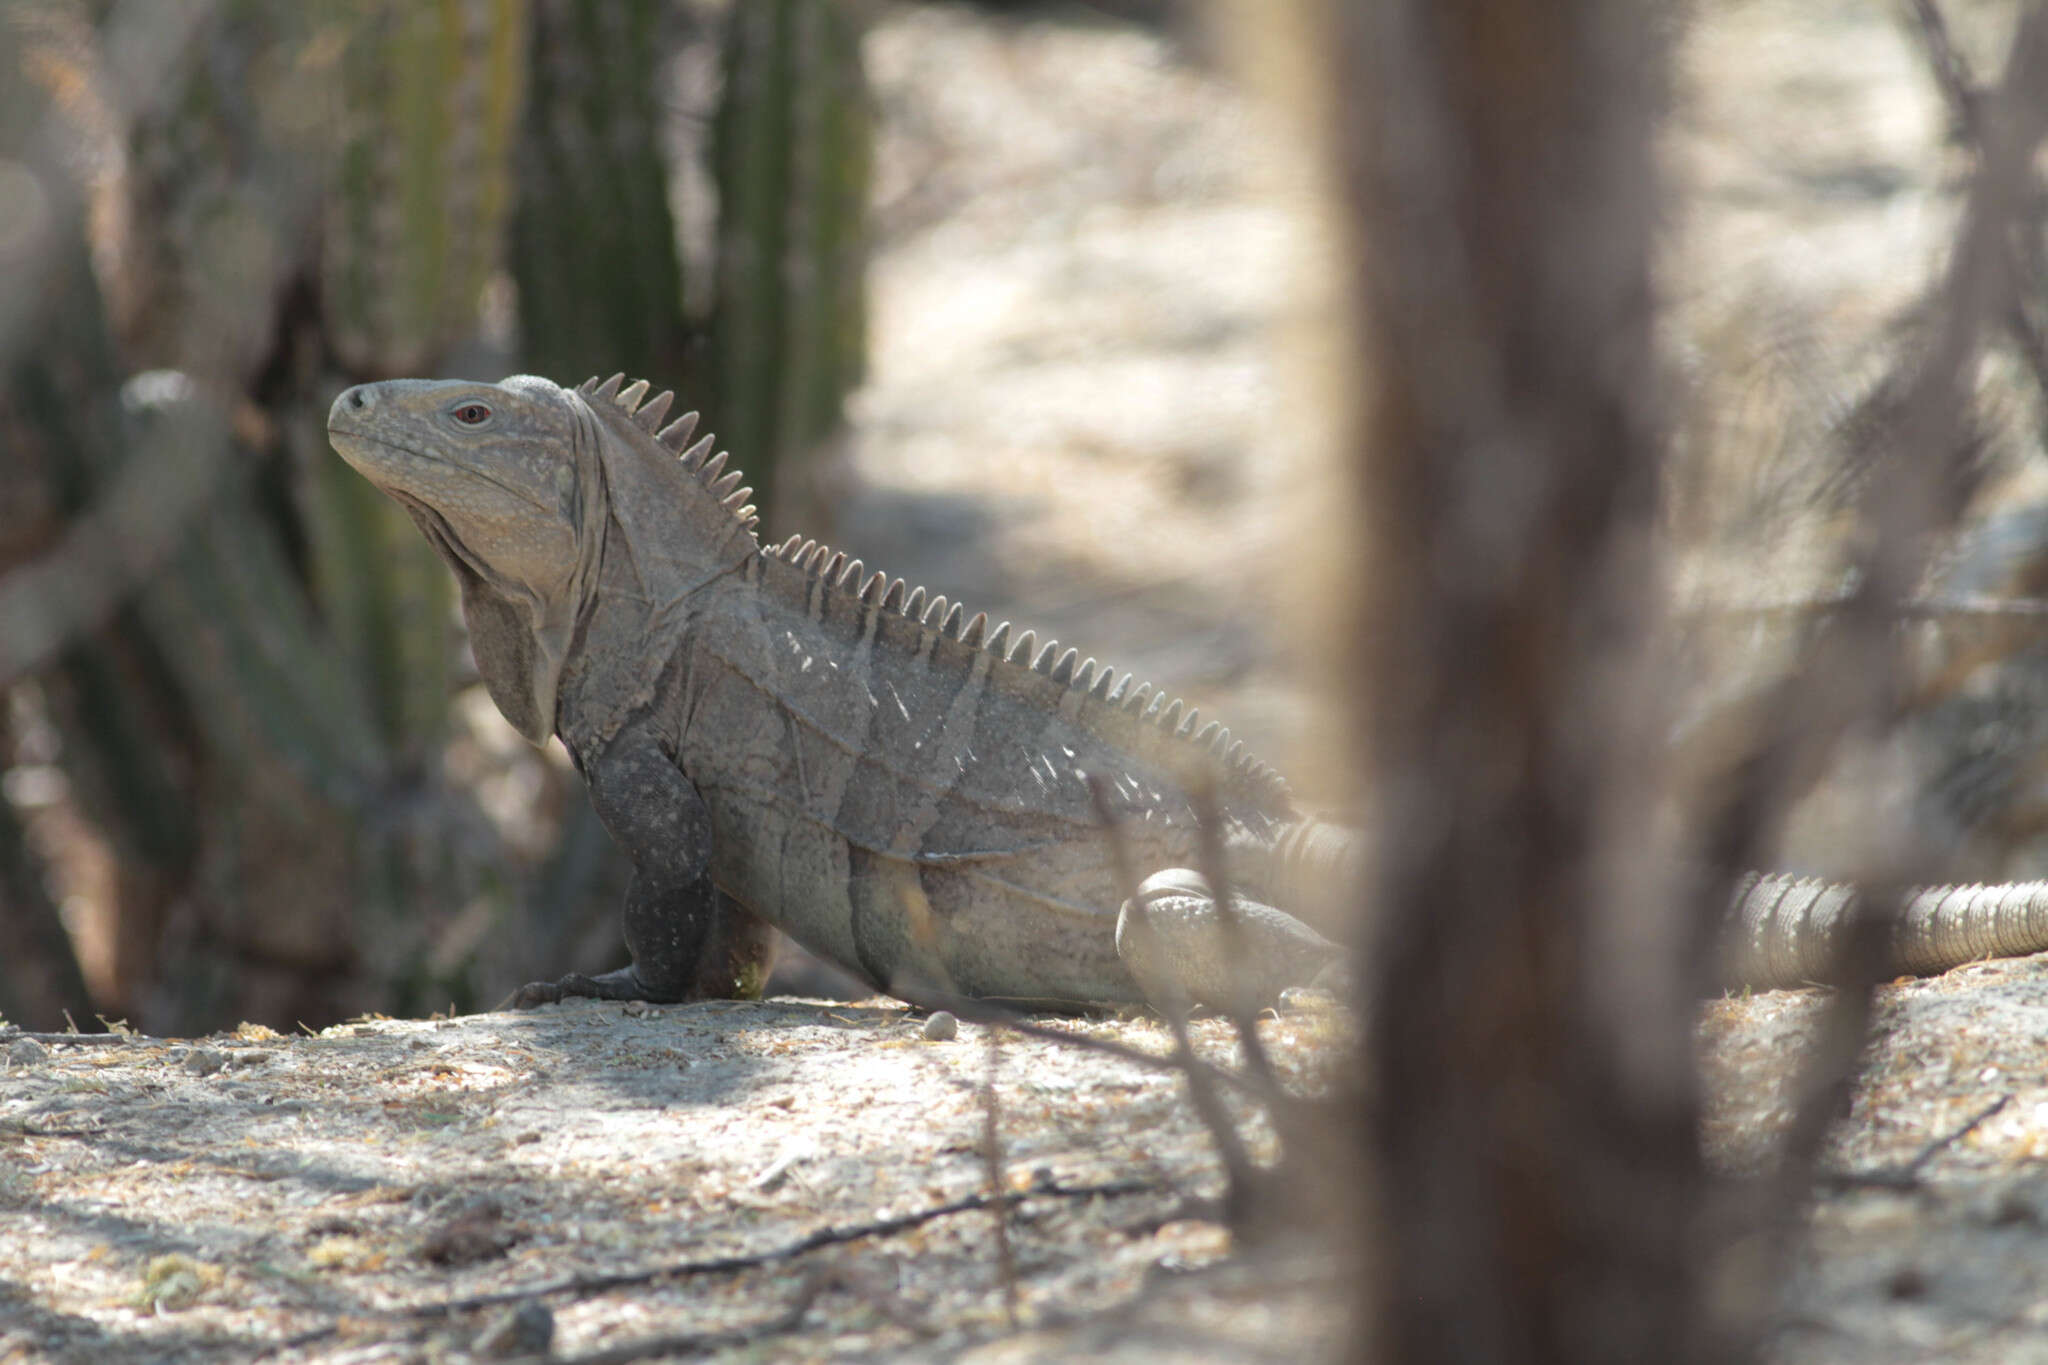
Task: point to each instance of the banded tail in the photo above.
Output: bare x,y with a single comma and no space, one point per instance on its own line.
1783,930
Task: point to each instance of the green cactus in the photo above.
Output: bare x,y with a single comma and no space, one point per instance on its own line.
792,161
244,730
594,243
431,96
258,732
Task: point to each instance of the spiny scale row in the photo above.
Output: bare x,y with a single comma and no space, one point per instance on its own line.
698,459
879,591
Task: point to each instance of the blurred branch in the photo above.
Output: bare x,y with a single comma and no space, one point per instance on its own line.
1951,72
978,1011
40,983
1965,102
1238,1173
143,46
1532,1137
993,1163
117,543
1911,609
1916,492
1243,1012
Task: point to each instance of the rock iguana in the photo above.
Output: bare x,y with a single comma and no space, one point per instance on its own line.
775,734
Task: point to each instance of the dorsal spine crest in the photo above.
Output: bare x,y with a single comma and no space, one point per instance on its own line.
650,415
677,433
816,560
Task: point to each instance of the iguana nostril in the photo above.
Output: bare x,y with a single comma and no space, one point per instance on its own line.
353,402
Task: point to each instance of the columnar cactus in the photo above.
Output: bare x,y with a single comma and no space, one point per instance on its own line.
793,155
594,243
432,96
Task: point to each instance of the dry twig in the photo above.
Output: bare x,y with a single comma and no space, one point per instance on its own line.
1907,1177
1917,494
1243,1013
1965,103
1237,1167
583,1286
992,1156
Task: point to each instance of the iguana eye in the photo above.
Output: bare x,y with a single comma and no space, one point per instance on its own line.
473,414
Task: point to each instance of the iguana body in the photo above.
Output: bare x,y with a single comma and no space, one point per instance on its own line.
774,735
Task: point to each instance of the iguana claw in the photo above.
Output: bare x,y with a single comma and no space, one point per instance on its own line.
618,985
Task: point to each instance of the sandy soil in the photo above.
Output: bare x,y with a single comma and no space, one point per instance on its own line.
805,1180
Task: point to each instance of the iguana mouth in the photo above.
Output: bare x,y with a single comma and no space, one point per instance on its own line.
428,457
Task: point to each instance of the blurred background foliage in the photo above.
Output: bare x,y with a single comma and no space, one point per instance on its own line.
239,714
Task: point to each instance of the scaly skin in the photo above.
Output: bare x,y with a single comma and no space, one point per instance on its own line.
772,737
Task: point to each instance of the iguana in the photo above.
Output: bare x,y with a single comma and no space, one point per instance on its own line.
775,734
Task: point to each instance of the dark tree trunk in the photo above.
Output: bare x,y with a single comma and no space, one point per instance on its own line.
1532,1129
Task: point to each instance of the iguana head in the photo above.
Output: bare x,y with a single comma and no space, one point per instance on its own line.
493,476
524,487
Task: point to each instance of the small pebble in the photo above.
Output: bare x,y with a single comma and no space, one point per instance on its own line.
941,1027
467,1230
27,1052
1907,1282
528,1330
203,1061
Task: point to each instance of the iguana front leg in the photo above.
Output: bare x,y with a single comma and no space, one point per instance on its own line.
688,939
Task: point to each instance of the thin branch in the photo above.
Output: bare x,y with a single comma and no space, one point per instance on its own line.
1965,103
1951,71
1907,1177
586,1285
145,45
1909,609
1243,1013
977,1011
1237,1167
1917,497
114,547
992,1156
699,1343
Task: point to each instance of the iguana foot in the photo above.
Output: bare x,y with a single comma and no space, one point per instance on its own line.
619,985
1178,947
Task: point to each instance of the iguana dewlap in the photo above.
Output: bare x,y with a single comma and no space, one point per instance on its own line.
774,735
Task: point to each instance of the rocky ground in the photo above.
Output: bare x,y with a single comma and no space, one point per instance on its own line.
781,1180
1929,1237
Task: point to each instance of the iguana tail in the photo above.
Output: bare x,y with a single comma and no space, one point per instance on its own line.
1783,931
